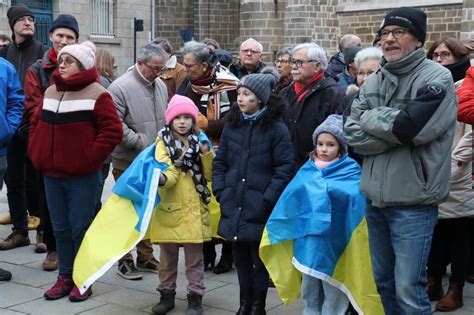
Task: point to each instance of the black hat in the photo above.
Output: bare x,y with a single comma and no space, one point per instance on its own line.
261,84
350,53
65,21
411,18
17,11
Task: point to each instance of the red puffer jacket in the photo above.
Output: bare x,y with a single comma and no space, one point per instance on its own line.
466,98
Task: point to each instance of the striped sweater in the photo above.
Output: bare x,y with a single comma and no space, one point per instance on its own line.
76,128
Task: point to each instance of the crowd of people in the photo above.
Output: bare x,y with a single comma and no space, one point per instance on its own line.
391,121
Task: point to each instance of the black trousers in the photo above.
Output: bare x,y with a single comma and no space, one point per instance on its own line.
20,179
251,271
45,225
450,245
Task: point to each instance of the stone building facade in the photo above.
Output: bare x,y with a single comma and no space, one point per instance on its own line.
275,23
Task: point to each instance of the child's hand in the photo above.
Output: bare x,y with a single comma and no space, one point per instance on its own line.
204,148
162,180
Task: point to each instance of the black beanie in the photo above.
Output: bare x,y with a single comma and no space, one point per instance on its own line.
350,53
411,18
17,11
65,21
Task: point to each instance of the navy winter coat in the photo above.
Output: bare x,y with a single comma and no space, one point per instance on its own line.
253,164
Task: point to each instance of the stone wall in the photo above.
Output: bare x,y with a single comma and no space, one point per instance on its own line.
173,16
443,21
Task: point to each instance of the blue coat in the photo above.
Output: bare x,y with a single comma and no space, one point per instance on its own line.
11,103
253,164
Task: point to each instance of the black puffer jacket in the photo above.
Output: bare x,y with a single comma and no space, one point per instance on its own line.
254,163
302,117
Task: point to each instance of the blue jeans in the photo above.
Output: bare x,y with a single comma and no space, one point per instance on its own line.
321,298
400,242
71,204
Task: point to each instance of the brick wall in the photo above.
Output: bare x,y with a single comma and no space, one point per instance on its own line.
443,21
263,21
173,16
308,20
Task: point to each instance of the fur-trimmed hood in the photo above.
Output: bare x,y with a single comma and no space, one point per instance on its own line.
276,106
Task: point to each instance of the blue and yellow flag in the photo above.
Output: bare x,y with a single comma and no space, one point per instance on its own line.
318,228
123,220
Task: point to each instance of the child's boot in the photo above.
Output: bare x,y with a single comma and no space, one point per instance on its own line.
194,304
245,301
259,300
166,302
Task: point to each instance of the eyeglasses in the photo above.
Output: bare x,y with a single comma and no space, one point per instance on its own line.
364,74
67,61
189,66
155,68
397,33
282,61
299,63
250,51
443,55
23,19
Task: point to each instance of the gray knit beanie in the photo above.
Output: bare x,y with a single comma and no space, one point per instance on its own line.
261,84
333,125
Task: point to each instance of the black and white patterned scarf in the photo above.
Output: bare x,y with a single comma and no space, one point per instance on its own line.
189,162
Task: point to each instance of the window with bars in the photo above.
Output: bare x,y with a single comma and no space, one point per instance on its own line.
102,12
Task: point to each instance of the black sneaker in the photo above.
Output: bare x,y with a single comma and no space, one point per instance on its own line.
5,275
148,266
127,270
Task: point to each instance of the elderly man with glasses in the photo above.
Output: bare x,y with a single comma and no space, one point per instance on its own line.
403,122
141,99
312,97
250,59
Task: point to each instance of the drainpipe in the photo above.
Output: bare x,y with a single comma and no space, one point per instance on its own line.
153,18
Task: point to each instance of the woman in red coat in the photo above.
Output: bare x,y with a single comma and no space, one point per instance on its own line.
71,135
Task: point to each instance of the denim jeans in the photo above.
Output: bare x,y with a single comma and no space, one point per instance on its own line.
321,298
71,204
400,242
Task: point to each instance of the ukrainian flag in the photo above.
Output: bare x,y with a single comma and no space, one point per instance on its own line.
318,228
123,220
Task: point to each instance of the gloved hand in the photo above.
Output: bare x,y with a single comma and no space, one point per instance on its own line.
162,180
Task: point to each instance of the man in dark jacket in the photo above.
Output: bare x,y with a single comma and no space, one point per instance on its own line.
19,179
250,59
311,97
337,63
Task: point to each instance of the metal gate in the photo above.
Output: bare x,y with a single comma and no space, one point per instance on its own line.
43,10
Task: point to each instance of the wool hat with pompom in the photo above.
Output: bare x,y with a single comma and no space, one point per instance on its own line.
180,105
261,84
334,126
81,52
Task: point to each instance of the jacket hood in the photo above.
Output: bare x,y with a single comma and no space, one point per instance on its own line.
276,106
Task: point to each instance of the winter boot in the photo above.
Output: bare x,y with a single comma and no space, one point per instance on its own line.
194,304
259,300
245,301
452,300
227,259
434,288
166,302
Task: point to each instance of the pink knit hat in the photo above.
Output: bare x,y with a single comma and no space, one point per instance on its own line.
180,105
82,53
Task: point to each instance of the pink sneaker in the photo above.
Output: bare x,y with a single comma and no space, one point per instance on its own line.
76,296
61,288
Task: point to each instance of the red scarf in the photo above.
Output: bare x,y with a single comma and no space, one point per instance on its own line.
299,87
52,55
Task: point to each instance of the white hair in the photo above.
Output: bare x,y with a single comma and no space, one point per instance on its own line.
252,41
314,53
370,53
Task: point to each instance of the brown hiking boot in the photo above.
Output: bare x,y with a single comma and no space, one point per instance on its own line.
40,246
14,240
50,263
434,288
452,300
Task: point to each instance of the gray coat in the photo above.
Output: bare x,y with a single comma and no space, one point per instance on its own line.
141,107
403,123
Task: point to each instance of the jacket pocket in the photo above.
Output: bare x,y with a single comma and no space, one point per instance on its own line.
170,214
